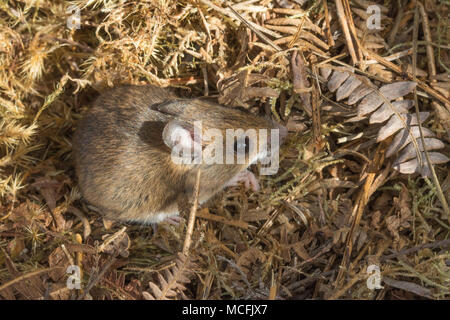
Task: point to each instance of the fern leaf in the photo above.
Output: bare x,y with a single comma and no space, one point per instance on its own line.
379,106
171,284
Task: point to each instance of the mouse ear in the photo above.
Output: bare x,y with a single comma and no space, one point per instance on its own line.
171,107
182,135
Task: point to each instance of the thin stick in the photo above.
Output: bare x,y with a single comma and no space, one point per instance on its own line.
351,25
297,34
396,25
190,227
439,192
427,34
443,244
79,256
205,81
84,220
257,32
213,217
399,70
26,276
342,291
93,281
392,57
226,12
327,21
68,255
111,238
358,209
345,29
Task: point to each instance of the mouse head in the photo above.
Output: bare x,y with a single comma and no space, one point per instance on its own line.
200,132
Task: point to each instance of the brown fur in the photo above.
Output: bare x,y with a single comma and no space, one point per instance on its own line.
124,167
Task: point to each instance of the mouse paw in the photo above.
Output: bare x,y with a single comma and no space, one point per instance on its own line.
247,177
175,220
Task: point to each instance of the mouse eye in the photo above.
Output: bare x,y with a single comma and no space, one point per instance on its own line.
242,145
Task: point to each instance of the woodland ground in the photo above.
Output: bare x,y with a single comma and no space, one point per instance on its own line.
337,208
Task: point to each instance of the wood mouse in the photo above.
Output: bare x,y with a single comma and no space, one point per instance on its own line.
123,151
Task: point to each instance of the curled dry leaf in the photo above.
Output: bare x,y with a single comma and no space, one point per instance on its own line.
403,217
300,80
116,244
250,257
58,258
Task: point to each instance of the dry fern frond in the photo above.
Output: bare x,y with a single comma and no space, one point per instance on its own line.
171,283
239,88
379,106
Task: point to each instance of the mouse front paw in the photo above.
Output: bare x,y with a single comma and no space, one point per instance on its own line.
174,220
247,177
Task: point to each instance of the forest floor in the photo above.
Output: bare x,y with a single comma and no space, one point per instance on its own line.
345,217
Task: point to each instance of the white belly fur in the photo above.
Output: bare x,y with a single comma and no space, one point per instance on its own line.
160,216
154,218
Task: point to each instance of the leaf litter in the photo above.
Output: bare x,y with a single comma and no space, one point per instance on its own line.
362,196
